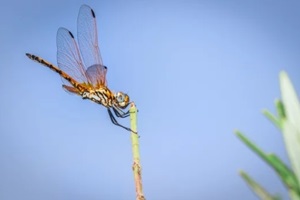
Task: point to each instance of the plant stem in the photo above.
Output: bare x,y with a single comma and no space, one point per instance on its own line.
136,167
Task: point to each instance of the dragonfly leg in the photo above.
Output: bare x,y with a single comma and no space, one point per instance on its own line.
115,122
120,113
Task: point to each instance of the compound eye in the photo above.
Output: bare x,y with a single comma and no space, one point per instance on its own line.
120,98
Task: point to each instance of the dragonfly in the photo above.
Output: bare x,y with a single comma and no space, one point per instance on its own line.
81,67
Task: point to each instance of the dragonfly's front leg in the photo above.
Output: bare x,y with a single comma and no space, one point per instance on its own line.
120,113
115,122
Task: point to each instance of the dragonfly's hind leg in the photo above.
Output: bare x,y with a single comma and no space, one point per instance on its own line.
115,122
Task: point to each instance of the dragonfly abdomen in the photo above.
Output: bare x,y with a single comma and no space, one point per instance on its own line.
72,81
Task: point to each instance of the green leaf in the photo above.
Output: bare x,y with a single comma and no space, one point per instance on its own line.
280,109
276,121
284,172
291,124
257,189
288,121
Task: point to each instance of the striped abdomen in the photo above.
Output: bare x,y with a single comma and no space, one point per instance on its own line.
72,81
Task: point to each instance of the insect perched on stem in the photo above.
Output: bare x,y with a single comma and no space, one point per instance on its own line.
81,66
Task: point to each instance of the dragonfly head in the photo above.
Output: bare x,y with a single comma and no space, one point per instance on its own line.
122,99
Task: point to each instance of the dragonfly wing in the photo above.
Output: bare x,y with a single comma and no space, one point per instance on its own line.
71,89
88,43
68,56
96,74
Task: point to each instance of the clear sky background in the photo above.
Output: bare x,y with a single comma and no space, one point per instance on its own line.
196,70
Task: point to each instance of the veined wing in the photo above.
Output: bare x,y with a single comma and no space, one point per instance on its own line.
68,56
88,44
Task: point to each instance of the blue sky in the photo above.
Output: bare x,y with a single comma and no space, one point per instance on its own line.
196,70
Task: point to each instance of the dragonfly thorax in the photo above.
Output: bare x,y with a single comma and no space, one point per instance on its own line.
101,95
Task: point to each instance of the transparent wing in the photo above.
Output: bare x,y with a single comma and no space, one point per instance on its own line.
88,44
96,73
68,56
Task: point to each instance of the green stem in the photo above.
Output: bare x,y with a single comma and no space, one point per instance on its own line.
136,167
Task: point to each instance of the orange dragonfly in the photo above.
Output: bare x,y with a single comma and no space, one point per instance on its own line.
81,66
